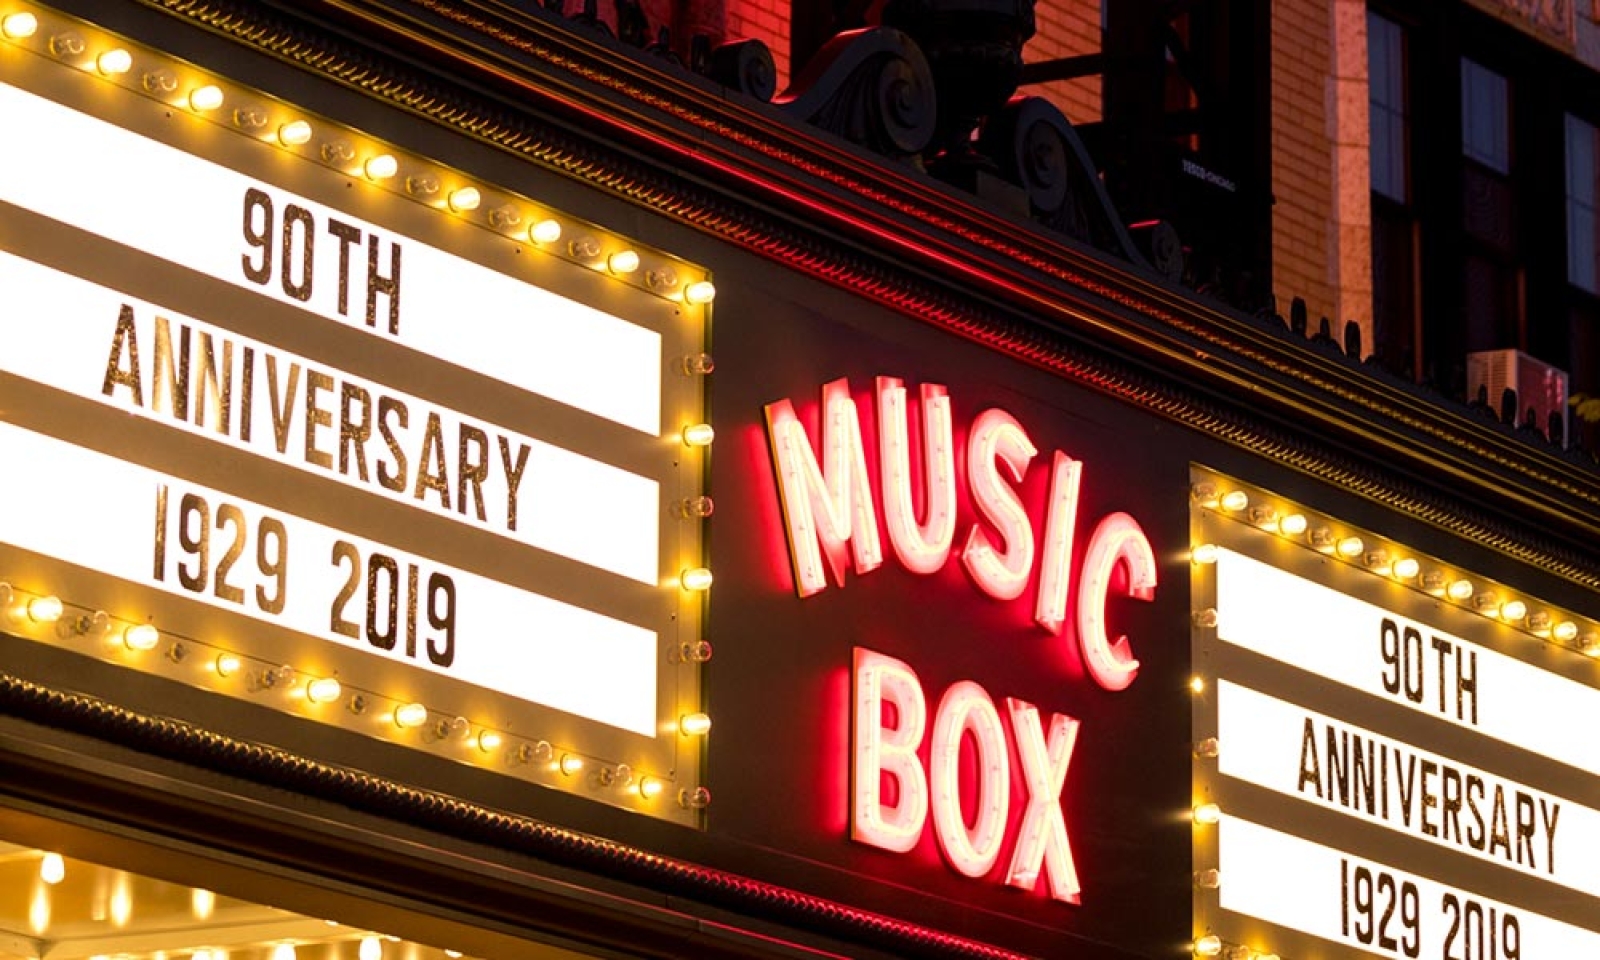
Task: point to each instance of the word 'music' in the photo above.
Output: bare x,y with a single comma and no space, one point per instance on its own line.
830,513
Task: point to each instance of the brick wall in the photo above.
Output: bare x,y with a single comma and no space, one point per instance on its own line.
764,20
1067,28
1321,222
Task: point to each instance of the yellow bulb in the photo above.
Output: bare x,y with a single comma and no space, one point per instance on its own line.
694,724
571,764
114,62
623,261
1197,684
19,26
699,435
283,951
381,167
208,97
1565,631
464,199
545,231
695,578
52,869
371,949
650,788
1208,946
1513,610
1235,500
1460,590
1292,525
44,609
410,715
1207,813
294,133
489,741
141,636
324,690
1351,547
1406,568
227,664
701,291
1204,553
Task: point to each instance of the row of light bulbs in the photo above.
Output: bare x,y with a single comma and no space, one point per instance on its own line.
422,183
1366,552
260,677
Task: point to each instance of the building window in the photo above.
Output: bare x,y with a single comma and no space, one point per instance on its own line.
1386,72
1485,120
1582,178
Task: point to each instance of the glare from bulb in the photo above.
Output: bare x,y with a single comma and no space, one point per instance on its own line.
699,435
45,609
381,167
52,869
371,949
545,231
623,261
19,26
695,579
283,951
1197,684
650,787
1292,525
1406,568
489,741
202,903
206,98
571,764
694,724
1207,813
294,133
699,292
324,690
410,715
1513,611
1235,500
114,62
1460,590
1351,547
141,636
465,199
1204,553
1565,631
228,664
1204,947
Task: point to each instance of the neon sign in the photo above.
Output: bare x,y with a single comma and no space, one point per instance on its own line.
831,520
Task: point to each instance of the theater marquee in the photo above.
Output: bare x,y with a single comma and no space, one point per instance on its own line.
307,419
1387,746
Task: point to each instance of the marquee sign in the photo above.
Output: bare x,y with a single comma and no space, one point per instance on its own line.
343,430
1397,729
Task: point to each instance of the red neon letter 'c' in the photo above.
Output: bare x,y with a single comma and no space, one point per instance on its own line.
1118,539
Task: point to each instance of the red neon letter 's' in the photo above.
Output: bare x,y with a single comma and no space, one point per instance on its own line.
1042,838
877,749
966,706
997,435
1060,525
831,504
922,548
1118,538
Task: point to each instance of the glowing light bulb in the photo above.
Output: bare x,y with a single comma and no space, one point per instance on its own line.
699,435
1235,500
623,261
19,26
208,97
1204,553
489,741
695,578
1406,568
694,724
571,764
410,715
44,609
52,869
141,636
1351,547
650,787
1207,813
1565,631
1293,525
699,292
464,199
294,133
202,903
1460,590
324,690
1513,611
1197,684
371,949
114,62
283,951
1203,947
381,167
545,231
228,664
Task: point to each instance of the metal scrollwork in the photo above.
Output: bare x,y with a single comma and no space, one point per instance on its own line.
872,87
